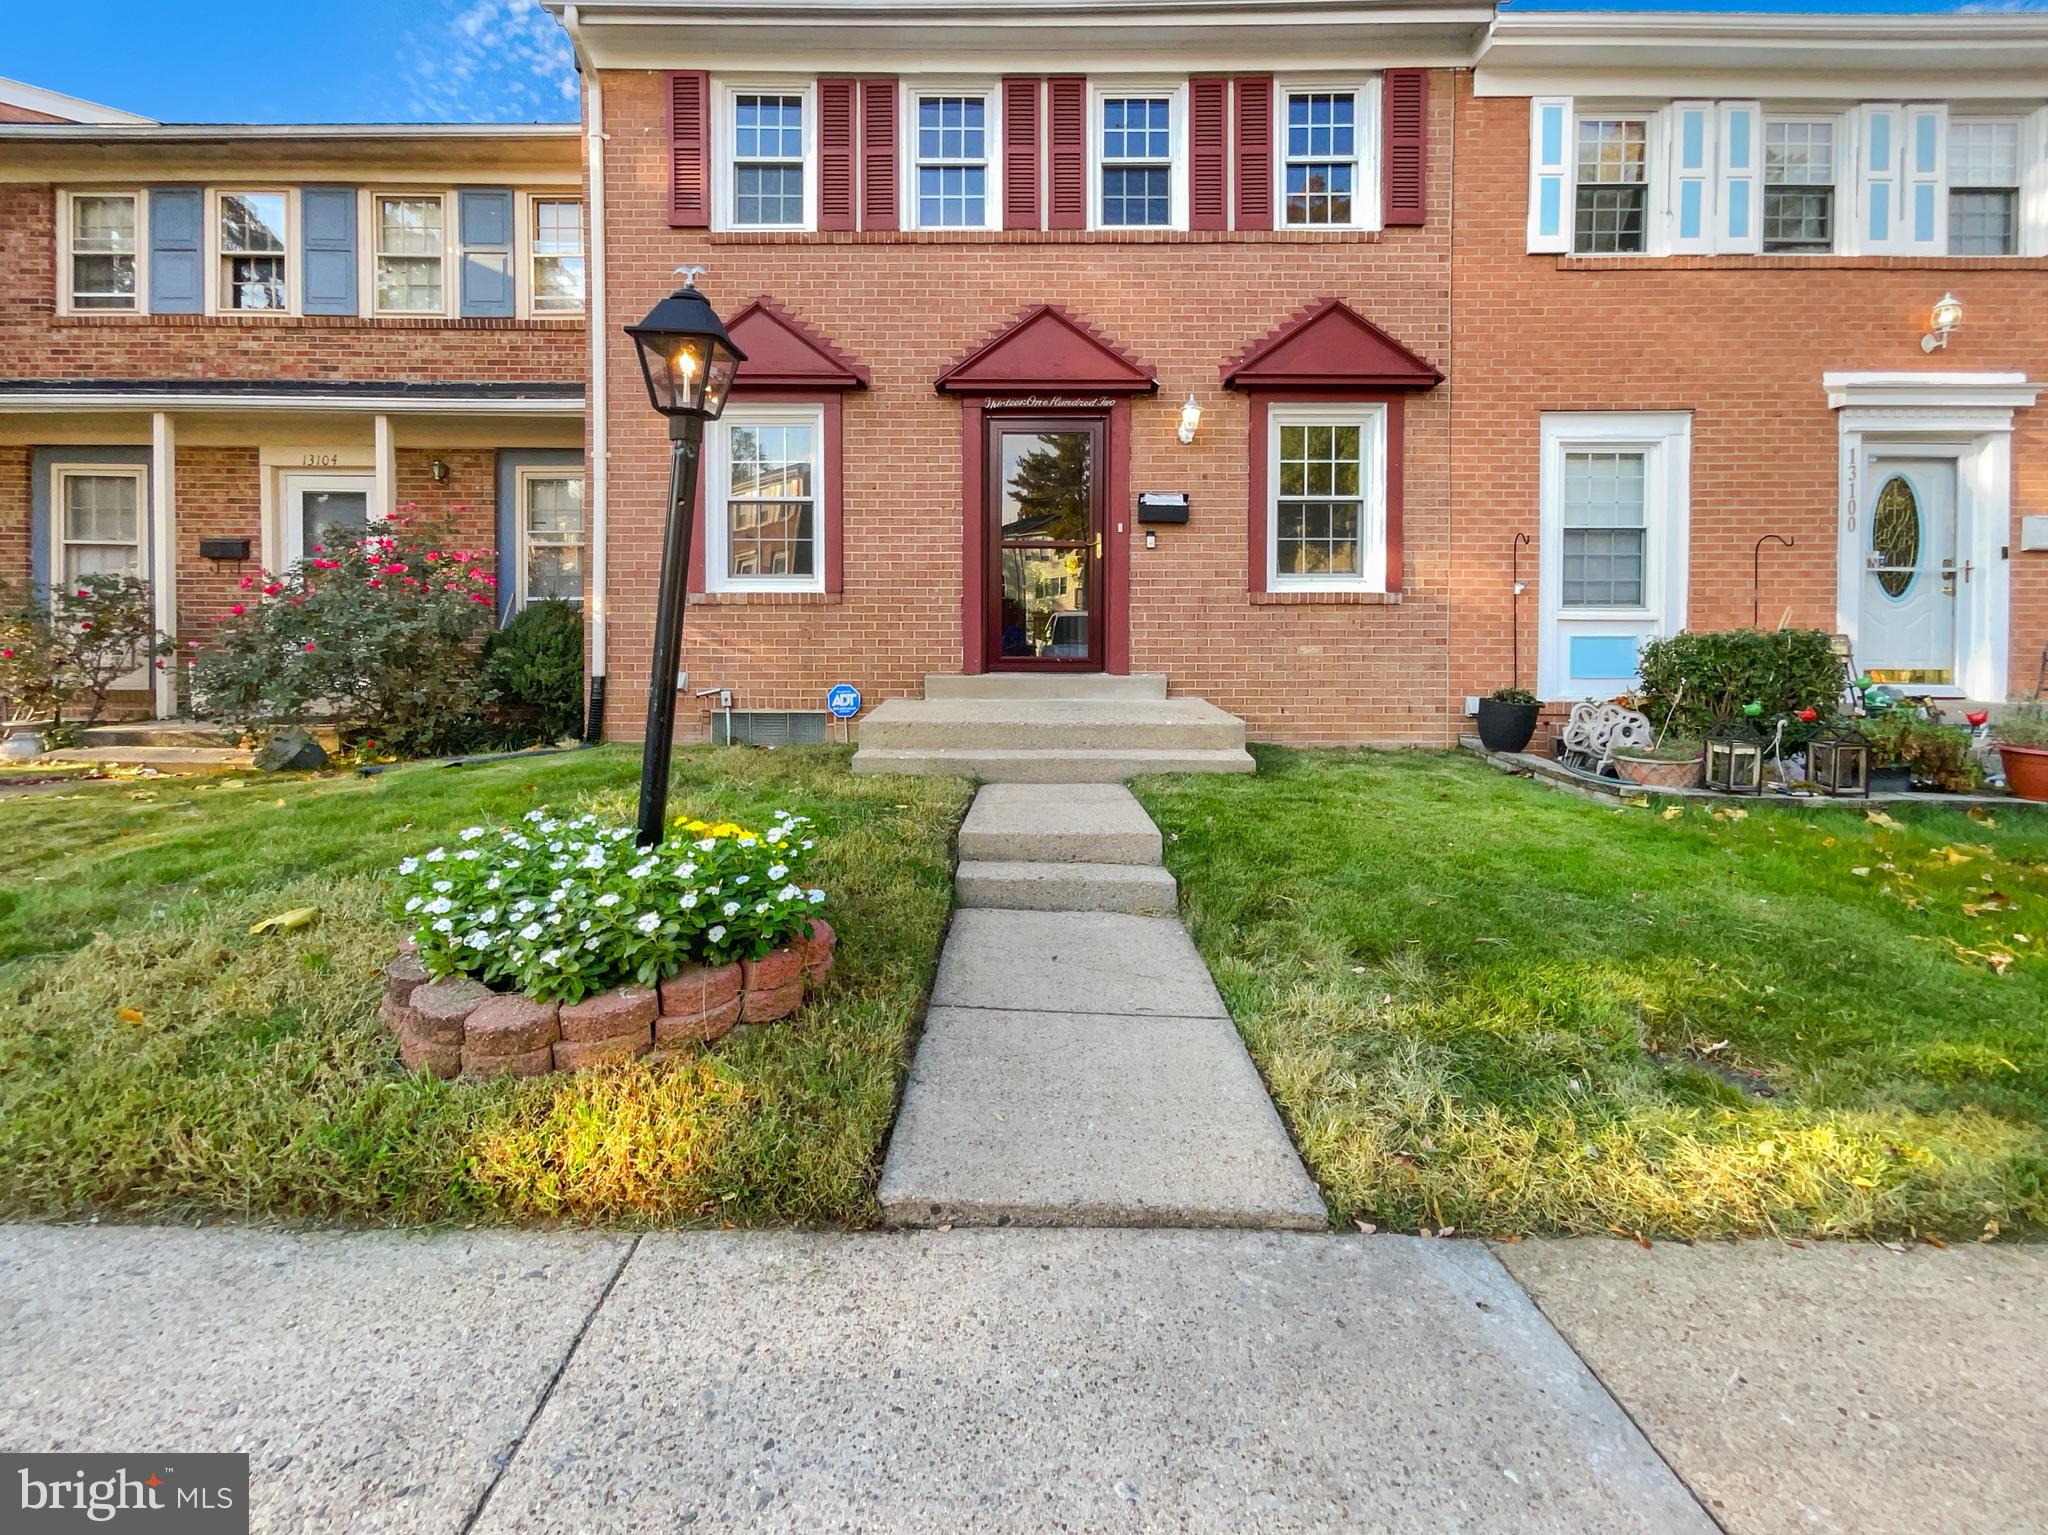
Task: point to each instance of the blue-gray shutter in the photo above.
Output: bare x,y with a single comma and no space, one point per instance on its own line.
176,239
328,216
486,223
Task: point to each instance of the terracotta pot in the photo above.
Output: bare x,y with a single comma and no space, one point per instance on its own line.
2026,770
1659,772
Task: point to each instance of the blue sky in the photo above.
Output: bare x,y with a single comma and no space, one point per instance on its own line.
430,60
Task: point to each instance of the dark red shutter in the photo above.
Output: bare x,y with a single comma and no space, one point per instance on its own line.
837,135
1067,104
878,153
1405,97
689,149
1020,152
1254,151
1208,153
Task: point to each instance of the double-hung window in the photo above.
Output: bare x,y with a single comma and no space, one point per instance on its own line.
99,523
767,499
253,256
1320,158
1983,186
1605,523
1799,185
1611,211
551,523
768,159
951,173
1326,473
103,250
411,252
1135,148
557,254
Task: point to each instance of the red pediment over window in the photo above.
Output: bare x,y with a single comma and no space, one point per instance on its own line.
784,353
1329,345
1045,349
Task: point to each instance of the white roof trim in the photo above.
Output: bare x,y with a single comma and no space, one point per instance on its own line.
1930,391
142,131
75,109
31,402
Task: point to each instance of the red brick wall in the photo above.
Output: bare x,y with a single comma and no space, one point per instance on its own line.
907,305
1741,342
14,515
218,497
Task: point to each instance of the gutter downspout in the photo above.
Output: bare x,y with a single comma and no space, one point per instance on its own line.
599,432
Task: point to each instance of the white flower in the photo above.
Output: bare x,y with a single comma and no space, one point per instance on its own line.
686,869
445,925
521,907
437,855
688,902
592,943
494,883
471,833
647,922
608,899
760,907
535,815
531,931
717,934
750,842
559,865
817,897
594,859
741,879
470,854
809,843
478,939
412,903
731,908
443,886
788,893
408,865
438,905
488,915
777,870
641,870
551,957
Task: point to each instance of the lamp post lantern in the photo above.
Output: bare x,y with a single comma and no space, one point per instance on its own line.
688,361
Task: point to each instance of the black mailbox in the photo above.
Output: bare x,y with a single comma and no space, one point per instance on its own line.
1162,506
223,548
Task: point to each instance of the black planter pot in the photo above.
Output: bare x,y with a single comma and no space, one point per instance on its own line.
1895,778
1506,727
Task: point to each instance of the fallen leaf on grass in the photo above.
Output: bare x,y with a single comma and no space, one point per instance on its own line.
1366,1227
1731,813
1991,1231
1952,854
1935,1242
1977,814
130,1015
1862,872
1639,801
287,921
1673,812
1997,900
1879,818
1997,959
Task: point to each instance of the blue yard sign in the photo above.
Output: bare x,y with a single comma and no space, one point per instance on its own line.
843,701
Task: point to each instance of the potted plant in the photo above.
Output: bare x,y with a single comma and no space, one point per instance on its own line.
2022,736
1507,719
1672,763
1907,751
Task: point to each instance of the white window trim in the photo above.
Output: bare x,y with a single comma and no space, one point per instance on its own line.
723,90
1845,216
1175,90
293,257
1666,437
525,476
1371,419
717,487
366,253
1654,171
65,306
59,474
528,257
2021,171
291,524
1367,203
906,177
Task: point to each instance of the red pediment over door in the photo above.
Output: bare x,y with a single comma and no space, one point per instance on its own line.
1329,345
1047,350
784,353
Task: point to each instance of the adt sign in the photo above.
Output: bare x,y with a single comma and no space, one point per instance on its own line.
843,701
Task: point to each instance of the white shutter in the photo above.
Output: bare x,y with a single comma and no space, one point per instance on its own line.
2033,199
1924,217
1879,149
1550,173
1739,210
1689,162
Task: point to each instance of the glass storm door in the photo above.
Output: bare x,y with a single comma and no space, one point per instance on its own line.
1044,505
1910,575
317,504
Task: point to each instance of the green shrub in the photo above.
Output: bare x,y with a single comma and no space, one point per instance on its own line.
1937,754
1513,696
1711,676
75,642
533,669
2023,723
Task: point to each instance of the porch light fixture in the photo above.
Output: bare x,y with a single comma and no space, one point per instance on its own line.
438,468
1948,314
1190,417
688,361
1735,758
1838,760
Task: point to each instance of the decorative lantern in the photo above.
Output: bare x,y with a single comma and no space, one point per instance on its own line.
1735,758
1838,760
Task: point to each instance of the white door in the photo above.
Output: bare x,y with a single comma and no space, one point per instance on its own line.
1907,635
316,504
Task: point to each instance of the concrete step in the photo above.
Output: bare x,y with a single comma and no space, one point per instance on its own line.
1087,765
159,733
1070,723
1058,823
166,759
1130,888
938,685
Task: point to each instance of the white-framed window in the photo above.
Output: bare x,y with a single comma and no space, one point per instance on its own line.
764,163
1611,204
1800,165
551,534
409,253
555,250
252,236
766,501
1138,155
1614,495
98,511
103,257
951,173
1326,148
1983,186
1326,497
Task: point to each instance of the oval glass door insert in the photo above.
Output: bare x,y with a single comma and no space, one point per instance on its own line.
1895,536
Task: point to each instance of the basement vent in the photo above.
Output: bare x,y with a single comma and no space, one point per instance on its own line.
768,727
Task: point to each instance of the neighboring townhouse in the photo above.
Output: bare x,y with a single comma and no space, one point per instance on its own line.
217,340
1694,261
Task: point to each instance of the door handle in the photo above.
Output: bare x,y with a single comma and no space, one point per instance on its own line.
1098,546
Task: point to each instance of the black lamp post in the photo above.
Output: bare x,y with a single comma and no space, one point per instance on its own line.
689,362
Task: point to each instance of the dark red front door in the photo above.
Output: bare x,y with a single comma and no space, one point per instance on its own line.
1043,501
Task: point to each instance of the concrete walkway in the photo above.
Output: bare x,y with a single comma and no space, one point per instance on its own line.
1078,1066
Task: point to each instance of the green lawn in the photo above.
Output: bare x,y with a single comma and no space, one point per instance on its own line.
157,1059
1484,1004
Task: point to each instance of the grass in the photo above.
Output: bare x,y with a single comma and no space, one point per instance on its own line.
158,1060
1486,1005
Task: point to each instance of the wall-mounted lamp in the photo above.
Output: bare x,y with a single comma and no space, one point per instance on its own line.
1190,417
438,468
1948,314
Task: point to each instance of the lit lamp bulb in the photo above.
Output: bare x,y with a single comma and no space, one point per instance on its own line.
1190,417
1948,314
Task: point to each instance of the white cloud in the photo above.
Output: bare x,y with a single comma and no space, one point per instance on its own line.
488,61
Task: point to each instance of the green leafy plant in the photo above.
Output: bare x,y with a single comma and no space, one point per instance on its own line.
1676,746
1937,754
1513,696
1693,680
563,909
31,660
2024,722
79,641
533,669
